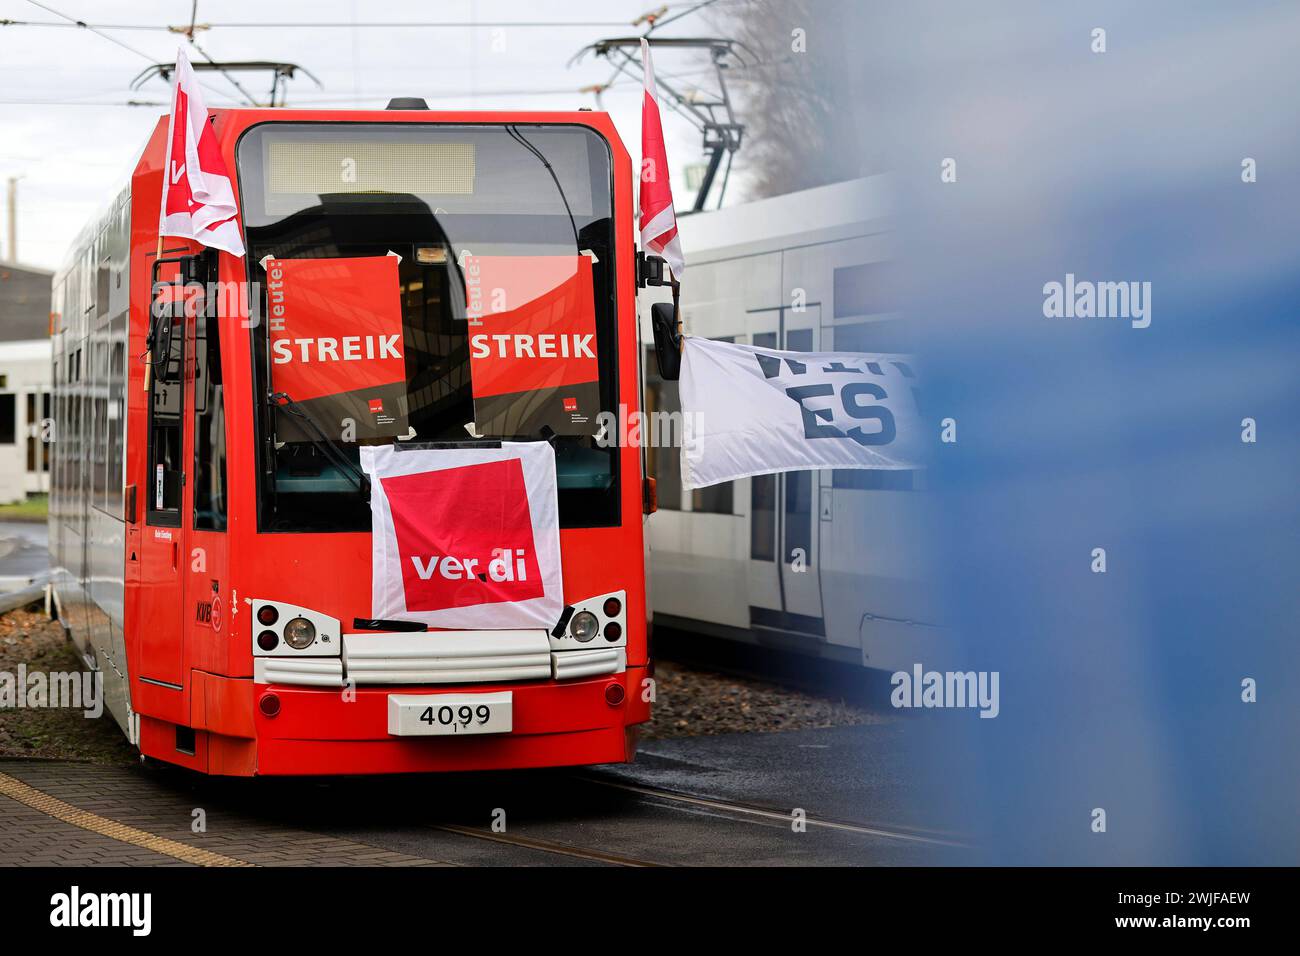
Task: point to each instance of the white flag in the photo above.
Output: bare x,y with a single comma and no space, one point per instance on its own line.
465,537
198,201
753,411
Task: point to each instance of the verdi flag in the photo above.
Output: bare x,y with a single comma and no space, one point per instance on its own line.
198,201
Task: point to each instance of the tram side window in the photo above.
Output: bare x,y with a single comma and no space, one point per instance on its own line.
98,413
163,482
116,415
209,428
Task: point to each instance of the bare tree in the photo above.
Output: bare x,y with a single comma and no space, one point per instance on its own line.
802,102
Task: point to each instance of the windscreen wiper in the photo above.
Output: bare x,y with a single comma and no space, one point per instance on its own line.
518,137
328,446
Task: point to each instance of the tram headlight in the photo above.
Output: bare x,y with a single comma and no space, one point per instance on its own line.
584,627
299,633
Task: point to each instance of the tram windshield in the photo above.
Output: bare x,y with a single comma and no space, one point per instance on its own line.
427,283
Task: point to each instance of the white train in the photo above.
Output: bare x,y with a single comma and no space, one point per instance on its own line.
808,271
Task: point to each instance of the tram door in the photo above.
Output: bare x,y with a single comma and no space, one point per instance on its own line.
784,580
162,546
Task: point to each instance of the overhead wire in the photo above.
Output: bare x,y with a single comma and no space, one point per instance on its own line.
99,32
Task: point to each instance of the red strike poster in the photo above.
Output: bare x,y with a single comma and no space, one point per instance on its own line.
532,335
335,328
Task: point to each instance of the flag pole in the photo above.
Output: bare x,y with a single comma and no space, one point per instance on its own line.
162,211
677,313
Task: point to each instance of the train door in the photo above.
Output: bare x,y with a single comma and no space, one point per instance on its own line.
784,585
162,545
205,598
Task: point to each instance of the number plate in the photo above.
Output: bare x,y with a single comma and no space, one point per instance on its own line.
450,715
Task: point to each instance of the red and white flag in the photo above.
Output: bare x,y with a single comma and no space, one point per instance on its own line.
658,221
198,201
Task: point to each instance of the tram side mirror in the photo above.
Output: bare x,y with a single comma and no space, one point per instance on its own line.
650,270
668,343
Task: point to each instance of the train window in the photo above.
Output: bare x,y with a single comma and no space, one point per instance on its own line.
762,493
105,250
872,479
8,412
798,515
664,464
529,201
100,483
886,335
209,427
762,522
116,415
166,404
865,289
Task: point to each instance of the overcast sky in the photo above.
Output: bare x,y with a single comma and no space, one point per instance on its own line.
65,128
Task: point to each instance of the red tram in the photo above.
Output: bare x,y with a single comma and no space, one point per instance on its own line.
190,517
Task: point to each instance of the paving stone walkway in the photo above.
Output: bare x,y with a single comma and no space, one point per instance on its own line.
60,813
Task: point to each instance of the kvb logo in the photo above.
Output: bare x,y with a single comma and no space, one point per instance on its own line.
464,536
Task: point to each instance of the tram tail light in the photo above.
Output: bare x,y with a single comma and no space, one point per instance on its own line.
288,630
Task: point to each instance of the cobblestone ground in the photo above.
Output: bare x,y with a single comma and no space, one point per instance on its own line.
126,816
